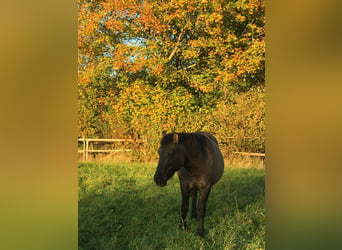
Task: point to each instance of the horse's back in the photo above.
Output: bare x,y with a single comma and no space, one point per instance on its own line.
208,136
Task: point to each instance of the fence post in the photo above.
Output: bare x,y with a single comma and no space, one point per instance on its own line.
83,156
86,149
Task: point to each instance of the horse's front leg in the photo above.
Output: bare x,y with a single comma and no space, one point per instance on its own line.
193,194
185,203
204,194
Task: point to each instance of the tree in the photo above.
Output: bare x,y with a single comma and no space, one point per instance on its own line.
147,63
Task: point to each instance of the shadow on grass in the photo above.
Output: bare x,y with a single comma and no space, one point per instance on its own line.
131,215
239,188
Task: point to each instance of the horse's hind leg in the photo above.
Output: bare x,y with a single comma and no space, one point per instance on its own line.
204,194
193,194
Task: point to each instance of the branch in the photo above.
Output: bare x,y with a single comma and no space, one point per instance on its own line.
189,67
177,44
172,53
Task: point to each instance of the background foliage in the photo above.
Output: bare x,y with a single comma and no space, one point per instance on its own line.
174,65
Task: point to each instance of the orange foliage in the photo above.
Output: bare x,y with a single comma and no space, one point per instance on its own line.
145,66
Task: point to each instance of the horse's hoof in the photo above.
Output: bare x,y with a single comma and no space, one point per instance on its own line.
200,233
182,225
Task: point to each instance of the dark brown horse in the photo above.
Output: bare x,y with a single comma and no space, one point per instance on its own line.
199,164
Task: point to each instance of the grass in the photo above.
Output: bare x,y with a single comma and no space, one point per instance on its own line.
120,207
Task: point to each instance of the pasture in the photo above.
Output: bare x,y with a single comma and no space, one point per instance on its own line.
120,207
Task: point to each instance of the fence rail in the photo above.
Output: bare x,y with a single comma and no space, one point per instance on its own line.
85,146
106,140
250,154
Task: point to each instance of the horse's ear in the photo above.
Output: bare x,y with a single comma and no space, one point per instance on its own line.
175,138
164,133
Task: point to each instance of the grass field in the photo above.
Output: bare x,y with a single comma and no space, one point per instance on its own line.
120,207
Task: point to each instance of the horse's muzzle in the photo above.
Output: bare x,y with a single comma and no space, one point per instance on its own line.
159,181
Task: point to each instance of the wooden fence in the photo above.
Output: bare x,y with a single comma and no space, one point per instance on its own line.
250,154
86,141
85,146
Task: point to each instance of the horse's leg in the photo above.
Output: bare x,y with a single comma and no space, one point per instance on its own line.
193,194
204,194
185,202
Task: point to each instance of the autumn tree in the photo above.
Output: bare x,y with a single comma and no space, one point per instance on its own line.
147,65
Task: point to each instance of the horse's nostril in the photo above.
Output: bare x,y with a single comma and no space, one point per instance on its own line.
161,184
159,181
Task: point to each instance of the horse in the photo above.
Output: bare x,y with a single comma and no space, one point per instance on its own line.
199,164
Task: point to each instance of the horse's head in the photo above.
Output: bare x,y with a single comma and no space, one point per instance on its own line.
171,158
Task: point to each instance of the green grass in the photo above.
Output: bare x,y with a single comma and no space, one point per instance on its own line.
120,207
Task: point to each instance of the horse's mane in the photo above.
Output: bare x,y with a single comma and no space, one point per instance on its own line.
193,142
